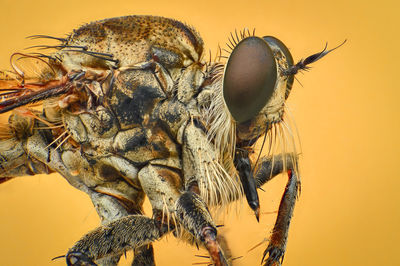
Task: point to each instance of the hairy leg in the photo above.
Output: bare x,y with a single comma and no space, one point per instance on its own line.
129,232
164,186
144,256
194,216
270,167
206,183
110,209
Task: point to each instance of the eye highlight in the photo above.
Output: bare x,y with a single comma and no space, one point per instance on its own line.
249,78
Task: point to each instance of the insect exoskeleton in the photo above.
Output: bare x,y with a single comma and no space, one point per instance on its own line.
130,110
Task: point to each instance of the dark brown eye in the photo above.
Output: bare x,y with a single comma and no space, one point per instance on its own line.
249,78
272,41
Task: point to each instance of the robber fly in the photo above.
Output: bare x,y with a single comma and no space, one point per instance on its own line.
127,108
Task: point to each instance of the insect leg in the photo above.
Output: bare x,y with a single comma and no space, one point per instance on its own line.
277,245
14,161
110,209
163,186
193,214
144,256
14,158
129,232
270,167
205,182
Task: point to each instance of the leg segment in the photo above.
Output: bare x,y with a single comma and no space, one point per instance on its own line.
110,209
206,182
163,186
144,256
273,166
14,158
270,167
277,245
193,214
129,232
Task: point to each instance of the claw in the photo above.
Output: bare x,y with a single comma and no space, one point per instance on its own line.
79,259
275,257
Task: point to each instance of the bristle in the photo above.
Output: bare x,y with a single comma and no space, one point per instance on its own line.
237,37
57,139
49,127
231,42
261,150
46,37
283,144
293,139
221,185
273,144
223,49
58,47
230,47
241,33
233,39
21,69
173,216
58,257
23,111
41,55
102,56
218,55
259,244
290,120
63,141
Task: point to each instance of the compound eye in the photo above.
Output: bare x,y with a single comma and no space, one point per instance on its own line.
249,79
274,42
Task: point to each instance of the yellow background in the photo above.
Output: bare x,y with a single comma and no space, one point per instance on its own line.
347,114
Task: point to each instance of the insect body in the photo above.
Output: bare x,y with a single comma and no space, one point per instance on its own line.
130,110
